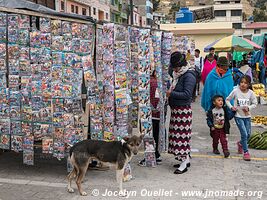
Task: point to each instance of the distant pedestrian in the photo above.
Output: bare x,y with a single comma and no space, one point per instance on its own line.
211,51
209,65
244,101
180,97
199,63
241,71
218,118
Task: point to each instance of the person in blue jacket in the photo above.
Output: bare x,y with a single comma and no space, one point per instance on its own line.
219,82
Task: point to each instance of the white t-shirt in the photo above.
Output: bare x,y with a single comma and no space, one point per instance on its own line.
199,62
242,100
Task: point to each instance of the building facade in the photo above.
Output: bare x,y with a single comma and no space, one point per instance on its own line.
98,9
146,10
229,11
254,28
48,3
118,11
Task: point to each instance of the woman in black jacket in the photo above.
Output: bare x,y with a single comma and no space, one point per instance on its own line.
180,97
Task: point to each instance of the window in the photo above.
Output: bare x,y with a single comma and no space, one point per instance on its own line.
84,11
237,1
220,13
257,31
236,12
62,5
237,25
94,11
89,11
225,2
72,8
106,15
77,9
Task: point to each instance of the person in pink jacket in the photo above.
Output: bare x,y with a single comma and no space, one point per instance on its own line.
209,65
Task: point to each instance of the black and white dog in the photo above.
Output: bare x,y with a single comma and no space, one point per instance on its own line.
117,153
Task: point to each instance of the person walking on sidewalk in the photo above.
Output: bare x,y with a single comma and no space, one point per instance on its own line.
244,101
218,118
180,97
198,62
154,99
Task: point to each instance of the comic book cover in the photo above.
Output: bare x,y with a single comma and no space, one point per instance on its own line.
59,134
28,157
108,136
66,27
36,88
120,81
13,81
108,53
35,39
68,105
67,90
68,75
145,112
57,58
146,126
45,39
3,80
13,51
77,106
3,20
75,44
14,98
26,113
37,131
13,20
4,110
143,82
28,141
45,25
33,23
57,90
58,119
5,126
85,46
23,37
17,143
35,55
47,145
4,141
46,67
58,105
13,65
26,128
57,43
56,27
45,56
24,21
25,67
67,39
24,53
76,30
46,87
13,35
56,73
36,68
2,50
46,130
3,67
59,149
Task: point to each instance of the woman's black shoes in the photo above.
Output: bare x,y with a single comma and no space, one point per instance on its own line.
177,171
178,165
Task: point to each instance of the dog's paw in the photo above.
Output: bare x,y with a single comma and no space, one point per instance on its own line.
84,194
70,190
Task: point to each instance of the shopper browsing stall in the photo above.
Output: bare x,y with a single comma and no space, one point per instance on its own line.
209,65
244,101
180,97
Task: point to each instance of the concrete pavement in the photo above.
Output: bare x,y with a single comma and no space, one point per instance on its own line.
209,177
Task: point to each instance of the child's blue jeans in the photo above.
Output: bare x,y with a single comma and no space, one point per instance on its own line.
244,126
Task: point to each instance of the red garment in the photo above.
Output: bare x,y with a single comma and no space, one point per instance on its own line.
219,134
208,66
265,61
153,100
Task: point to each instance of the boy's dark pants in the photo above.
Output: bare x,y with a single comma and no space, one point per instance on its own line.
219,134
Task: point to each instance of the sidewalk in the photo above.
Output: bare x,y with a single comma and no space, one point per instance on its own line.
208,174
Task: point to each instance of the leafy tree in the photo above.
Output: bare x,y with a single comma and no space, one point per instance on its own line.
259,15
174,8
155,5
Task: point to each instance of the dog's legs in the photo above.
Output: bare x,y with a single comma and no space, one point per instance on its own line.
119,176
71,175
82,171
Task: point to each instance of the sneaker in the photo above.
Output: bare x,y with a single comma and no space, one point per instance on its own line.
216,151
246,156
239,148
142,163
226,154
159,160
